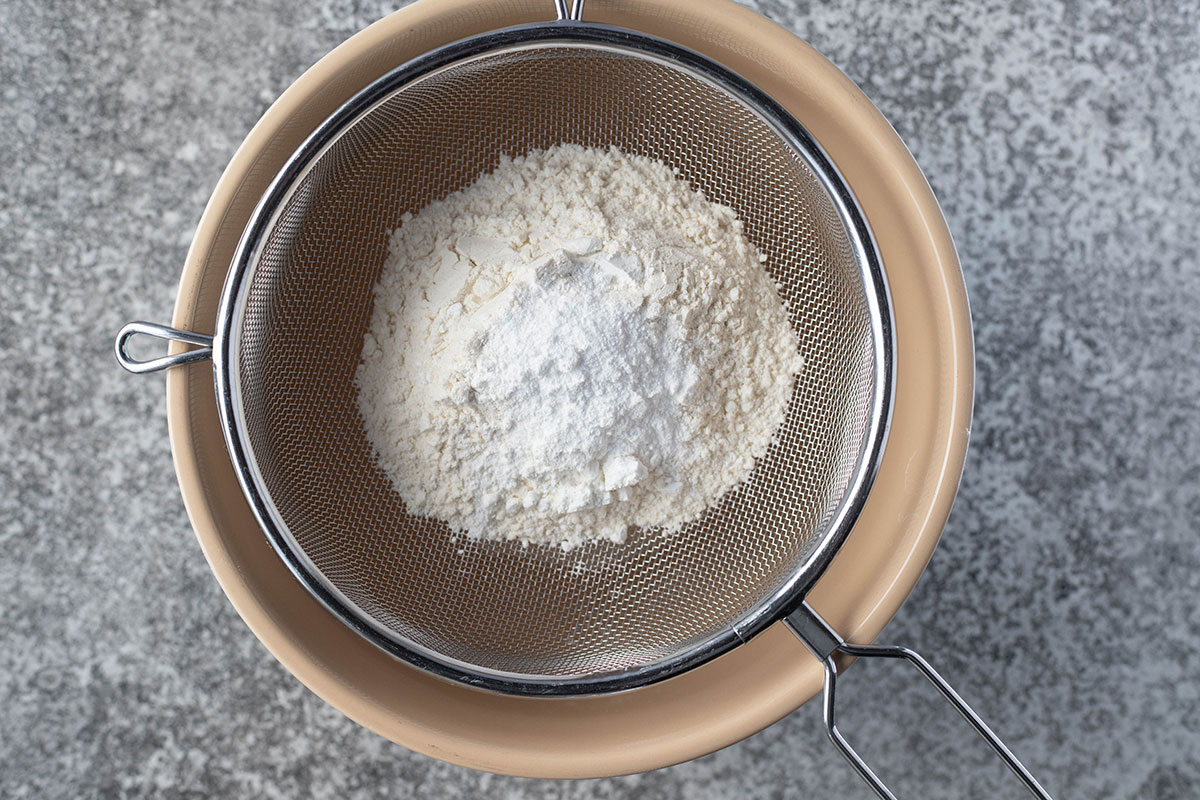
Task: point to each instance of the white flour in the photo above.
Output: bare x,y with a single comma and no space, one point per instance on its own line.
575,344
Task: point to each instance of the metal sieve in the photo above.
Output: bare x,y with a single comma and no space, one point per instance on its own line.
535,620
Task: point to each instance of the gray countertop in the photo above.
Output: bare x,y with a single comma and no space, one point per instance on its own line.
1061,139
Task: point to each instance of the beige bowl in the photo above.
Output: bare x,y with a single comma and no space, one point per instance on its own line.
726,699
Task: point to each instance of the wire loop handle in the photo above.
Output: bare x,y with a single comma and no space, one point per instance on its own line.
824,642
132,364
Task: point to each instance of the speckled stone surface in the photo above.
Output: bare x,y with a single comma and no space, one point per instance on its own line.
1061,138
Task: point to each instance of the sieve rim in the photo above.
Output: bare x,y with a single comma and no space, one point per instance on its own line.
591,36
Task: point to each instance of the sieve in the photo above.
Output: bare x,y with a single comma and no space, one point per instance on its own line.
493,614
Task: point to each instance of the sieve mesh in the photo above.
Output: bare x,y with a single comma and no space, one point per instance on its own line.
497,606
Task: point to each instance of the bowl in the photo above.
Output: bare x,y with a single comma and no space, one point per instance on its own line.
738,693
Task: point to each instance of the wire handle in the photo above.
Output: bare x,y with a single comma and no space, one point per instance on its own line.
131,329
824,642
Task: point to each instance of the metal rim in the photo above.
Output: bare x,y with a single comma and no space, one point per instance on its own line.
791,594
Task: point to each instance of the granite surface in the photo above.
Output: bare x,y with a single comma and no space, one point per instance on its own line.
1061,138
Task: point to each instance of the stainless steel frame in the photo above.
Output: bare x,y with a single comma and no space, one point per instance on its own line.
226,373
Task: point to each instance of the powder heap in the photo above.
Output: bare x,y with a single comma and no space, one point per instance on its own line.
577,343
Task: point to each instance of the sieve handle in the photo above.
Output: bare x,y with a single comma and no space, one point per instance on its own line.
161,332
824,642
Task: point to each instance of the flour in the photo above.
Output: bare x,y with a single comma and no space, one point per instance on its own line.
575,344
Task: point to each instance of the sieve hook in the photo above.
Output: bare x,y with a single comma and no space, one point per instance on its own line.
824,642
569,10
129,330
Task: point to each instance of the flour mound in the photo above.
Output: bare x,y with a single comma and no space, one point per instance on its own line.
575,344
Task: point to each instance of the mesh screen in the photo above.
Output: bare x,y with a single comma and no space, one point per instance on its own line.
496,605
